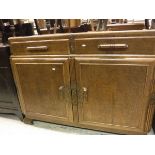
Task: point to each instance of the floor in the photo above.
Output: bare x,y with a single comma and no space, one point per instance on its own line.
11,124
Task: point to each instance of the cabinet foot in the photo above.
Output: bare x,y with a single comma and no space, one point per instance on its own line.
28,121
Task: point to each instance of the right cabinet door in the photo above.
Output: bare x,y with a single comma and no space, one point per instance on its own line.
114,93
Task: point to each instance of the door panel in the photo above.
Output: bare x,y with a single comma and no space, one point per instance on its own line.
114,92
44,87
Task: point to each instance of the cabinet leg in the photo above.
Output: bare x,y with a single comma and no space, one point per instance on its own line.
28,121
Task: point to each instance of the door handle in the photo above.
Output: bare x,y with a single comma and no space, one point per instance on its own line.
85,94
61,92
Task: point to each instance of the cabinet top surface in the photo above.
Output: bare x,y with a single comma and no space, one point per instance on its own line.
85,35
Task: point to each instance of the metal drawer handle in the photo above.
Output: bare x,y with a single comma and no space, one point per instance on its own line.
37,48
113,46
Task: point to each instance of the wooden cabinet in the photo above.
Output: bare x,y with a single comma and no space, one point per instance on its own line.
101,81
8,97
45,87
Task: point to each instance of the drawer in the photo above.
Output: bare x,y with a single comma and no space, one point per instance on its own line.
115,45
40,47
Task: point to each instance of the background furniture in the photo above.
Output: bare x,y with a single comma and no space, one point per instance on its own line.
126,26
8,95
84,25
102,81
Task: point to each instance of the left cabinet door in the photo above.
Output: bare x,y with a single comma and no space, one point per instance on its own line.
43,86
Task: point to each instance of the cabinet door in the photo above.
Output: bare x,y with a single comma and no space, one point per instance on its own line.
44,88
114,93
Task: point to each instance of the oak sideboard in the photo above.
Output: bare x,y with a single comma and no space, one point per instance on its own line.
96,80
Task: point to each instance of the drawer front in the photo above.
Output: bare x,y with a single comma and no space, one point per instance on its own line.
113,45
42,47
